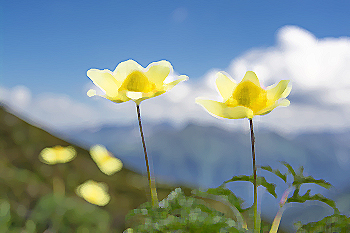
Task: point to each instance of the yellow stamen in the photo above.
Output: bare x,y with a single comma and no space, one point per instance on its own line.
249,95
136,81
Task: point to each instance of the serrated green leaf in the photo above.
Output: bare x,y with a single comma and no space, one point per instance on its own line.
276,172
309,179
290,168
267,168
241,178
306,197
270,187
300,179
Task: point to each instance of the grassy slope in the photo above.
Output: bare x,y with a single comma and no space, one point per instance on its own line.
24,179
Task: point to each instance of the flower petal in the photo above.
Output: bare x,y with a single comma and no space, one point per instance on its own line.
172,84
251,76
105,81
281,90
238,112
225,85
120,98
219,109
158,71
148,96
282,102
125,68
134,95
286,91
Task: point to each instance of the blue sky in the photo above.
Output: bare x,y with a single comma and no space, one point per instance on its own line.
47,46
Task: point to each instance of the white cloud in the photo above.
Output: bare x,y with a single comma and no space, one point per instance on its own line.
318,68
309,62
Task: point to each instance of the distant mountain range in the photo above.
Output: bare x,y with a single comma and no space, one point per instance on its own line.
205,156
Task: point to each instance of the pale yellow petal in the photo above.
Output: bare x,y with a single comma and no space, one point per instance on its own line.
281,102
238,112
148,96
158,71
219,109
120,98
286,91
105,81
284,102
172,84
225,85
134,95
251,76
281,90
125,68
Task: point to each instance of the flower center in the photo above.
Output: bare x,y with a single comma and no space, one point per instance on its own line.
138,82
249,95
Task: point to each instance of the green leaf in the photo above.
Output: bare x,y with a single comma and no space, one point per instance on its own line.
300,179
276,172
270,187
309,179
306,197
180,213
231,197
290,169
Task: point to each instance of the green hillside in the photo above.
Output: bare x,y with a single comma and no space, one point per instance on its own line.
26,185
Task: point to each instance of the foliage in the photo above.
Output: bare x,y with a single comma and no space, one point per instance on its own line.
270,187
334,223
180,213
57,214
298,180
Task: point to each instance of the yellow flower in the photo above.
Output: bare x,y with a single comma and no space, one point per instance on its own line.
107,163
130,81
94,192
245,99
57,154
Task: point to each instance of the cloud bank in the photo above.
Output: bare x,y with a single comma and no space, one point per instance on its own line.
319,70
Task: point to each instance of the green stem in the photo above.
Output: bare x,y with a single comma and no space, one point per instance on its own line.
152,186
255,205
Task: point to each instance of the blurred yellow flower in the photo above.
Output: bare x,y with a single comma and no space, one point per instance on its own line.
94,192
57,154
130,81
107,163
245,99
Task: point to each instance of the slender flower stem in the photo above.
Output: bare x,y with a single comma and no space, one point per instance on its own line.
152,186
255,205
278,217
